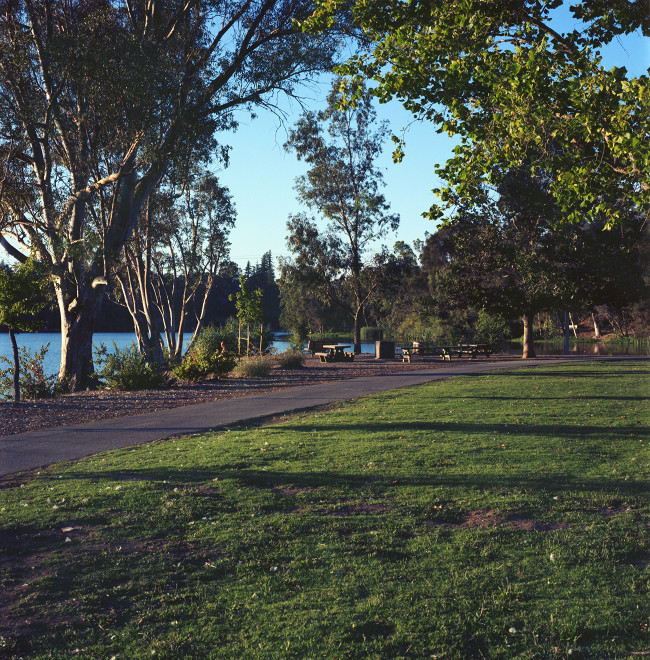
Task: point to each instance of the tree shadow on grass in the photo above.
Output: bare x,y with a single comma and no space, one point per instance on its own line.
525,398
552,370
251,475
467,428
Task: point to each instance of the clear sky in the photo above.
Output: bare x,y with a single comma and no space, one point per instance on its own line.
261,178
261,175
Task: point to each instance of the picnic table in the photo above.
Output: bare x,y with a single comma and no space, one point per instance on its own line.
335,353
445,352
315,345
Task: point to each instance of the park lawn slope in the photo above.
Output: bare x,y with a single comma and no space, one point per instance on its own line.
495,515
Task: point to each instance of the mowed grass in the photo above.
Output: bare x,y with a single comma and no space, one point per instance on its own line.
501,515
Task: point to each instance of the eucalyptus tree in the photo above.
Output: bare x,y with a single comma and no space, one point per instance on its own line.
340,144
96,101
513,89
173,261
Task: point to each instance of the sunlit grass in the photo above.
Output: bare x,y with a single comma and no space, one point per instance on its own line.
497,515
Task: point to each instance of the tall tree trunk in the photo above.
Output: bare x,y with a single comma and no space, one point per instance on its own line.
565,332
596,328
77,327
528,346
357,333
14,346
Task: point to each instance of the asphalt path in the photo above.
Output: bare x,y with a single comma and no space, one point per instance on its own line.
30,450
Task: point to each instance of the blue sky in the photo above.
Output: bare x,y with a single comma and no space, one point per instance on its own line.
261,174
261,178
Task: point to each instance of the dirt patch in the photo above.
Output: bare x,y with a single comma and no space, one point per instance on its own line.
536,525
343,511
613,511
488,519
292,491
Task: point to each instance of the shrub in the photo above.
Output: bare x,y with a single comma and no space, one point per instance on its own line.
198,366
490,329
371,333
34,383
298,339
290,360
128,369
253,367
205,357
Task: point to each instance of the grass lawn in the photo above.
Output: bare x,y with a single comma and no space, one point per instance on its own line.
498,516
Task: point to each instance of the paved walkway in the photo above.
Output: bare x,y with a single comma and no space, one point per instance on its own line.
26,451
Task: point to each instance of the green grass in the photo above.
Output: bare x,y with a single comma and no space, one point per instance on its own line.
498,516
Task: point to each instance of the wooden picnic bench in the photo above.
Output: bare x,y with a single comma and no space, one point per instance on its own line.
409,352
315,346
335,353
445,352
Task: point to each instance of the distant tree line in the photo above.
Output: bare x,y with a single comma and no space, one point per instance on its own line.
499,270
114,317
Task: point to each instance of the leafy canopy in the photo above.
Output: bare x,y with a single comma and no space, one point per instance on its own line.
23,293
514,91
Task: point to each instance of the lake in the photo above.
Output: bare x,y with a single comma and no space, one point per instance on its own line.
34,341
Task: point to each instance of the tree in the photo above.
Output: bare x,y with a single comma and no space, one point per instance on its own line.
263,277
174,259
249,305
508,257
99,100
342,185
22,296
514,90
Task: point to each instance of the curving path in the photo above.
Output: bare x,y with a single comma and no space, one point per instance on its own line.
26,451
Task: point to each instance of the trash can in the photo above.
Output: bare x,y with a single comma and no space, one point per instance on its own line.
384,350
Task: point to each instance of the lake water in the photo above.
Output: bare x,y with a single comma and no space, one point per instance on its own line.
34,341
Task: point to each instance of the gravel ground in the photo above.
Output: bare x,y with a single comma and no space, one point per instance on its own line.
104,404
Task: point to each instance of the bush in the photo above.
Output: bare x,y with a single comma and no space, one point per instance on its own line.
371,334
34,383
290,360
491,329
205,356
298,339
253,367
128,369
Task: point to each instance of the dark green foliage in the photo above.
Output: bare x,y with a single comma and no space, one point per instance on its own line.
262,276
23,293
206,356
370,334
22,296
490,329
128,369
